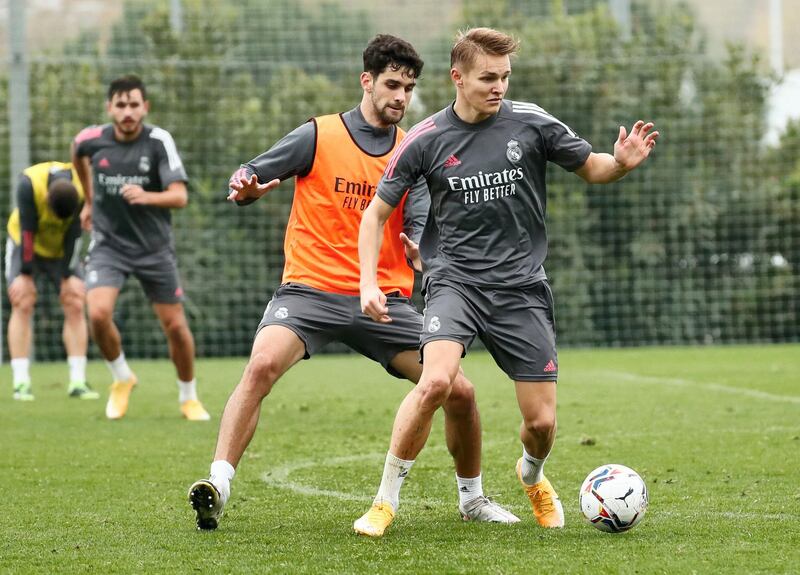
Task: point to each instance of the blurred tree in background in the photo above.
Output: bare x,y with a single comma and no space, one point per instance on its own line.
700,245
675,252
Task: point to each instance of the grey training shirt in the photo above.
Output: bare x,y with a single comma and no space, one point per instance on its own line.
487,184
152,162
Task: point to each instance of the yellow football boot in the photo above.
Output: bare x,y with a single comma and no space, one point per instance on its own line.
545,502
118,397
193,410
375,521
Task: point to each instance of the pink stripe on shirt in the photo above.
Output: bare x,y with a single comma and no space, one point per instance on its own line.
422,128
89,134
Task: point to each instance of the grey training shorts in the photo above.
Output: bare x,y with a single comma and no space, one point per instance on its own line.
319,317
52,268
516,324
156,271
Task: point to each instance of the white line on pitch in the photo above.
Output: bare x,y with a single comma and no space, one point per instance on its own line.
279,477
726,515
637,378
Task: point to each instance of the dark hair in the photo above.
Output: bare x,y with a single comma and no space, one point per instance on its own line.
481,41
62,198
125,84
385,51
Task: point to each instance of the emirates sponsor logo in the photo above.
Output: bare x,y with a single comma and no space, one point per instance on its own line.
486,186
355,195
113,184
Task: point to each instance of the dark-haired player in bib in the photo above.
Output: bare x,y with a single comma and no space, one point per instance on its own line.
44,239
337,160
484,160
133,177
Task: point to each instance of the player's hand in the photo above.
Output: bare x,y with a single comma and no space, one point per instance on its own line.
23,286
86,217
373,303
134,194
243,188
632,149
412,252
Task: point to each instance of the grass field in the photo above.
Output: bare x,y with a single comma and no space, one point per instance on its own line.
714,431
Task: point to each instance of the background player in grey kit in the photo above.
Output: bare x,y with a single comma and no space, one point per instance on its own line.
337,160
133,176
484,159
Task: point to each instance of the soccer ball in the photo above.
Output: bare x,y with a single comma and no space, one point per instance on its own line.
613,498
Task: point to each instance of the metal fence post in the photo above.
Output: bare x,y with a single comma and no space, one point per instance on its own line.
18,109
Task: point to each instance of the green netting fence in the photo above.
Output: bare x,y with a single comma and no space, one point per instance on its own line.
699,246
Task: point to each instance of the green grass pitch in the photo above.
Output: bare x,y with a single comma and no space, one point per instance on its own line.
715,432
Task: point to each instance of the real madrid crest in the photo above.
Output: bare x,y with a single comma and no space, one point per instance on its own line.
513,152
144,164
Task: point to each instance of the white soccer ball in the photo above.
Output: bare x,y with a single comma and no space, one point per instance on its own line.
613,498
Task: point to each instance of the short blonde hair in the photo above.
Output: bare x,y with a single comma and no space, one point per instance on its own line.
481,41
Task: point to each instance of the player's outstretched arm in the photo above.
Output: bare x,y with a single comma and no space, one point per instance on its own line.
370,236
630,150
244,190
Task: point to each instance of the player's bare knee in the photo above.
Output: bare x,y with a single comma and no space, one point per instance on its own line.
100,317
261,373
176,329
72,304
24,305
462,396
434,391
541,424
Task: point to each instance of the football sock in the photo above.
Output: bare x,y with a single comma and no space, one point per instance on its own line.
221,475
77,368
20,367
119,368
188,390
532,469
394,473
469,489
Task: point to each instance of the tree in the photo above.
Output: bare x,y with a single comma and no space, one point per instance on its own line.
659,257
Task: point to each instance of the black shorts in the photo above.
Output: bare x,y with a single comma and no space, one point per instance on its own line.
319,317
51,268
157,271
516,324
